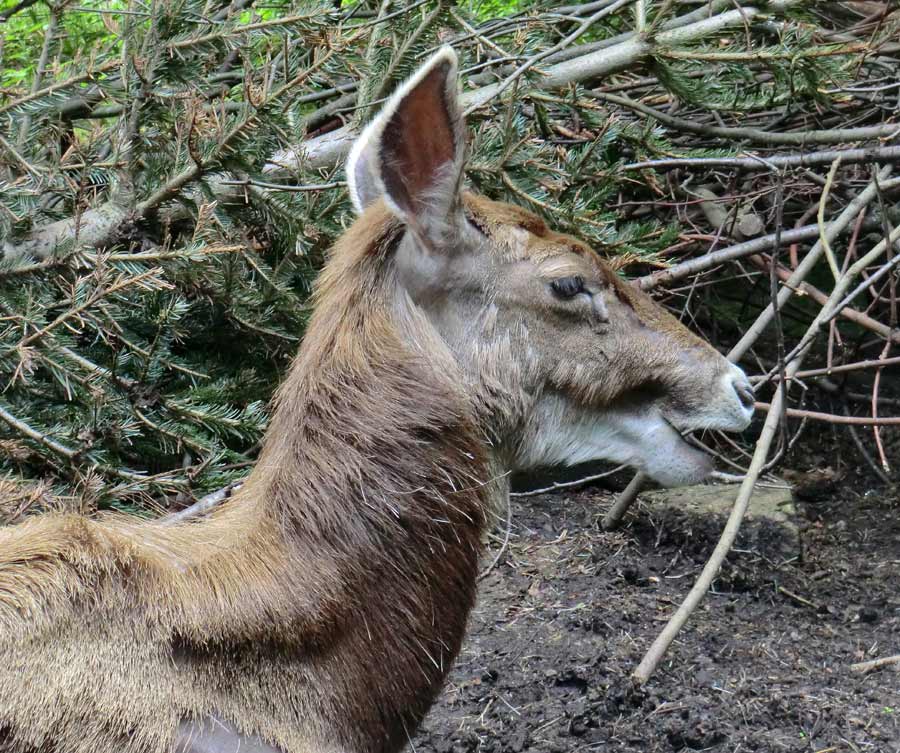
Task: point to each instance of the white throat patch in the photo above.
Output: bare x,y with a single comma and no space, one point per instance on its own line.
558,433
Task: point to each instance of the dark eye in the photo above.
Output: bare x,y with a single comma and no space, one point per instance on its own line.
568,287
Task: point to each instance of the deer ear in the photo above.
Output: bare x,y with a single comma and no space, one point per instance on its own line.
411,155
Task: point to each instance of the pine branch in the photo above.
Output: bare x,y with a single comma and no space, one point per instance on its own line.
8,13
757,135
325,151
146,152
757,163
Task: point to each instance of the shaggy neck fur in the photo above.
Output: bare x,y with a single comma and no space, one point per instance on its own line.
321,608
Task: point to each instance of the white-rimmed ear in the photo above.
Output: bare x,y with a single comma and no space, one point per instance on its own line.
412,153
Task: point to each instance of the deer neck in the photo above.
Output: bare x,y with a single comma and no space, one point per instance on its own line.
374,425
381,481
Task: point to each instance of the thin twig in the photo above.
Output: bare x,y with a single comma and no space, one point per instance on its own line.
844,368
820,218
865,667
757,135
848,156
500,552
833,418
284,186
773,297
558,485
854,435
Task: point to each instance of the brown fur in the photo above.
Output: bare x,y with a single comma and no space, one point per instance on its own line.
320,609
322,606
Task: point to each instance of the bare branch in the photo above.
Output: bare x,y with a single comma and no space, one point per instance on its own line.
703,263
833,418
808,159
757,135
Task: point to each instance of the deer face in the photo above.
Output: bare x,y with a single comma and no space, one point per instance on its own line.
564,361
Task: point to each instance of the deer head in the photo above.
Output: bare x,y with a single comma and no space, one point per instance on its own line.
563,360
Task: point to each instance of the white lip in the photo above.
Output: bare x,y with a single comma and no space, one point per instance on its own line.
645,440
563,434
668,458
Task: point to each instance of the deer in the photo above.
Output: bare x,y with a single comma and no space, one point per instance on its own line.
453,340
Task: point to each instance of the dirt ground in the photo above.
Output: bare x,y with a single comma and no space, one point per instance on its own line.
764,665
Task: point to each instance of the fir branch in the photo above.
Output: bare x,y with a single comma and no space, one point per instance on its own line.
847,157
80,78
325,151
120,284
757,135
26,430
310,18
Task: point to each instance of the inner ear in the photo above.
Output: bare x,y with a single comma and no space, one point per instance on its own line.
411,155
419,145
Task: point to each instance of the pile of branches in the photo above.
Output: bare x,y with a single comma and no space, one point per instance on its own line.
170,179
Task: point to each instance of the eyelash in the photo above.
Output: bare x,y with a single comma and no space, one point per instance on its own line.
568,287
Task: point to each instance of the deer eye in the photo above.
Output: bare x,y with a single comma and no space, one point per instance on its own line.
568,287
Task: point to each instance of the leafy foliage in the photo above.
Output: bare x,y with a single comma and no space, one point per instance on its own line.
140,365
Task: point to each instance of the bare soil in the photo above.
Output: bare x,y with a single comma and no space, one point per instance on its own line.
764,664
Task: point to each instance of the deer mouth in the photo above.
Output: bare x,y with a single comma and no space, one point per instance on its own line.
657,433
668,458
562,432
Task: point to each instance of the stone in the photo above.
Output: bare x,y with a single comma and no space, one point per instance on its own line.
774,502
769,526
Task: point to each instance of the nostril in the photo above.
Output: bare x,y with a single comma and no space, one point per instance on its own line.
745,394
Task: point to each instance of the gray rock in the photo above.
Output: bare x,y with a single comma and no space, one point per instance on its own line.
771,501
